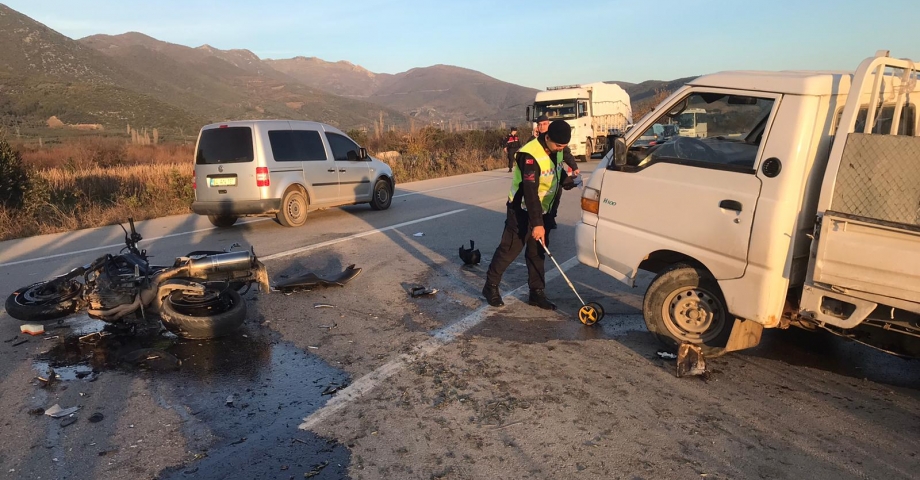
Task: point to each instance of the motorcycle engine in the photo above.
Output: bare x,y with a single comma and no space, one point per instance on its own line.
116,283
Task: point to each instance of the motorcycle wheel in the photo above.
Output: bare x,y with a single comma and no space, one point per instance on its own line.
196,317
46,300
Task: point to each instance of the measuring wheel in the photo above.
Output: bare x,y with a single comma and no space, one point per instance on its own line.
590,313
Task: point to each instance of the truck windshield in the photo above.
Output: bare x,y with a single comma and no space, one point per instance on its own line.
556,109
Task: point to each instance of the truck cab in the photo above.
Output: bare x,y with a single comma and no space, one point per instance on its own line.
790,202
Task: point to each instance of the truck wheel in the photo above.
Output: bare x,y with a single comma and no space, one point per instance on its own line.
589,149
293,211
382,196
684,304
222,221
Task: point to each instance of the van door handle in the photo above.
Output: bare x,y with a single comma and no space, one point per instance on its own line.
331,170
341,170
730,205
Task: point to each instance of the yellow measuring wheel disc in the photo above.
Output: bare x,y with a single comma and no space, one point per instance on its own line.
588,315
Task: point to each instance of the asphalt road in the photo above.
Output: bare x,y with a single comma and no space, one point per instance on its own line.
383,385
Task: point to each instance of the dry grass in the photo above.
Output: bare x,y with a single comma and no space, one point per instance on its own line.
96,181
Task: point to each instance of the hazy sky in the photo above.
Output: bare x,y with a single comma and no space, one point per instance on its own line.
536,44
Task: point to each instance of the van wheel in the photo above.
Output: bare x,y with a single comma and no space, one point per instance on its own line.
684,304
293,211
382,197
222,221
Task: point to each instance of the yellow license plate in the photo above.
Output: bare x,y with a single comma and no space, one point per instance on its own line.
223,181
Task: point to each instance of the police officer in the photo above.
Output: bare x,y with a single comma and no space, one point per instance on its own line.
537,173
511,145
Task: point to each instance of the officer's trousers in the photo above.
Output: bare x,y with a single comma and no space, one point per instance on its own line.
517,237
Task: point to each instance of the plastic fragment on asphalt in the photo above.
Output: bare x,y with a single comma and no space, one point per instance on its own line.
32,328
422,291
419,234
323,305
68,421
667,355
55,411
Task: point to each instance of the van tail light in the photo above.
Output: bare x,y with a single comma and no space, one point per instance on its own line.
590,200
262,179
194,181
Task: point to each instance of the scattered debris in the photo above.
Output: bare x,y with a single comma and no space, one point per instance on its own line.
32,328
241,440
24,340
323,305
68,421
329,327
10,340
37,411
55,411
470,256
107,452
153,359
229,401
96,417
333,387
81,374
92,338
297,440
311,280
667,355
422,291
312,347
690,360
419,234
315,469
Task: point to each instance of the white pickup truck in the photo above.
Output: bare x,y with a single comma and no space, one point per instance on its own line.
800,206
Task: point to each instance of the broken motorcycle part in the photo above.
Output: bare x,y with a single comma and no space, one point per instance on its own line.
311,280
690,360
470,256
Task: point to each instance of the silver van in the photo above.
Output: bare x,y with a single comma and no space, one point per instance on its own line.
283,168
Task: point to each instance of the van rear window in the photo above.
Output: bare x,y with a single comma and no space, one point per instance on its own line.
225,145
297,145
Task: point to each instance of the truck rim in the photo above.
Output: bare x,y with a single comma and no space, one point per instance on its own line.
694,315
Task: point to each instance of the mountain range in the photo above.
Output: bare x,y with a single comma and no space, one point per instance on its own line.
133,79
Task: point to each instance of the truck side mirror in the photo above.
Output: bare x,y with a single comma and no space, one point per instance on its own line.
619,151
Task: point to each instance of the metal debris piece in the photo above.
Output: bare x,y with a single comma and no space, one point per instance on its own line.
96,417
419,234
37,411
315,469
667,355
333,387
323,305
422,291
329,327
690,360
68,421
10,340
24,340
55,411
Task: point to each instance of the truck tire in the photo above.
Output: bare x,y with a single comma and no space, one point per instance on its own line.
215,314
222,221
684,304
589,149
293,211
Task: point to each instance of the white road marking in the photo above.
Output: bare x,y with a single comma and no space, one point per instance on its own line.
107,247
357,235
439,338
448,187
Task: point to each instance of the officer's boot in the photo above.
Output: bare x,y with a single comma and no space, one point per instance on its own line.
538,299
493,296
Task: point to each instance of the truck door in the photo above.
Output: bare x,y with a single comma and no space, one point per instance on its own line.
869,221
695,196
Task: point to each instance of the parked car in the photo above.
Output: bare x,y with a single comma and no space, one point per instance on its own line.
284,169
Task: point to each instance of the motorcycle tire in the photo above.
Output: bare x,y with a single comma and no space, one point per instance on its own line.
198,317
46,300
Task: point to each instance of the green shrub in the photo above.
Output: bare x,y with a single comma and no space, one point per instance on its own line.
14,178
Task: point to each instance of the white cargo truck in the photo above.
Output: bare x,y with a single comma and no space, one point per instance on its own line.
593,110
799,207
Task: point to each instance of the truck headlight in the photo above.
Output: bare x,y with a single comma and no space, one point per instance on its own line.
591,200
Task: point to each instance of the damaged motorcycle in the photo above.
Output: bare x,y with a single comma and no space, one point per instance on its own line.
197,297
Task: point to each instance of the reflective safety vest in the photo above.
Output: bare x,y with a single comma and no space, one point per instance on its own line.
549,175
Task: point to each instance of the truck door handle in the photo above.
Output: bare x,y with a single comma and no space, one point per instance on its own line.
730,205
331,170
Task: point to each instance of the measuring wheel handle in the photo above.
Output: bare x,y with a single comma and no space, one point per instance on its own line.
590,313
